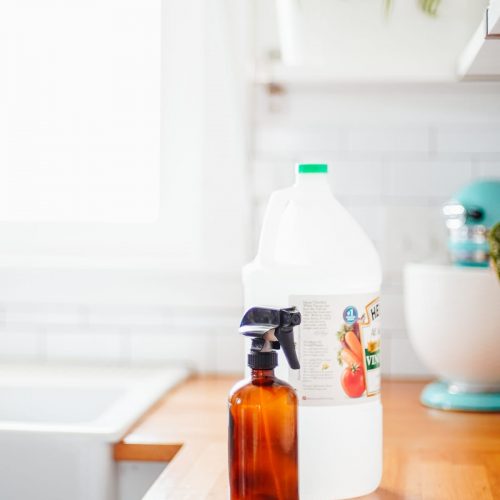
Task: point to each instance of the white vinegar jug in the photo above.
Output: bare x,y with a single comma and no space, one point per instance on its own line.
314,255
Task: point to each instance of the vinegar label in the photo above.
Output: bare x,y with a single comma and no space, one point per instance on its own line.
338,345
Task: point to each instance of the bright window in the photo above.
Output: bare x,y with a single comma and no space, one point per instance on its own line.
122,135
80,110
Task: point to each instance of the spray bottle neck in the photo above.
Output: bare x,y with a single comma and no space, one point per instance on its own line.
263,377
258,373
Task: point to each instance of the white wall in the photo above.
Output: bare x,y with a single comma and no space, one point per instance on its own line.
396,153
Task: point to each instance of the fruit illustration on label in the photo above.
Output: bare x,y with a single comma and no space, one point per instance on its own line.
353,381
354,344
350,356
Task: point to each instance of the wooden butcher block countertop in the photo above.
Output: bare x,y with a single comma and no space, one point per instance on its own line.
428,454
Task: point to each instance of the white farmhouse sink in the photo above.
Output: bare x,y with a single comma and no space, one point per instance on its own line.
58,425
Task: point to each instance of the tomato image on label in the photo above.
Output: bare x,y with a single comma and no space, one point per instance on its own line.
350,355
353,381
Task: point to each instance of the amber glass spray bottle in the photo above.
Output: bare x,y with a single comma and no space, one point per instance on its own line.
263,459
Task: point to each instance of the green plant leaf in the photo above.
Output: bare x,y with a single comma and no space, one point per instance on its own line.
388,4
429,7
494,241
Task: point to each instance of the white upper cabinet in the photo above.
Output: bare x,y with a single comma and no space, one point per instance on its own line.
322,41
494,18
481,58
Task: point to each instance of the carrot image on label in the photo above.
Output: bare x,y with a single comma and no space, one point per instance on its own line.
353,342
349,358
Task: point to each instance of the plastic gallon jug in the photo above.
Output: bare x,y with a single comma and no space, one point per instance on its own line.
313,255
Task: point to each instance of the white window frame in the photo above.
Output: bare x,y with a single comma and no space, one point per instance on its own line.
203,149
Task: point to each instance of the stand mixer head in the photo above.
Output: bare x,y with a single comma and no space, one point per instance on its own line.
470,214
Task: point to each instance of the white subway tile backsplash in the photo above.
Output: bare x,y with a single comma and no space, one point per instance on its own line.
21,346
135,286
490,170
447,178
229,352
403,360
385,355
42,314
291,142
265,177
479,139
370,218
391,140
126,316
392,104
392,311
194,350
358,179
426,179
411,234
83,346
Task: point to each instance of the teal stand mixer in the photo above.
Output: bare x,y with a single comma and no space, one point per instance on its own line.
453,310
472,213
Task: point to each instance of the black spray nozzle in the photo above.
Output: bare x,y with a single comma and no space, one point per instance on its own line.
259,321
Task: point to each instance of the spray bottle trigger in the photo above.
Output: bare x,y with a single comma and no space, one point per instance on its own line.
272,329
285,338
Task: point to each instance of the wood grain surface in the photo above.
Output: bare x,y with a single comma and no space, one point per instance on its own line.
428,454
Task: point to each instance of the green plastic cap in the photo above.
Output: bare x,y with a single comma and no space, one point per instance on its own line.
312,168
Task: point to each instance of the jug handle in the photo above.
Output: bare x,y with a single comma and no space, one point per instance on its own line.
278,203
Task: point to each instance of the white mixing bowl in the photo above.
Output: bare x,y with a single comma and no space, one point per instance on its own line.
453,320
